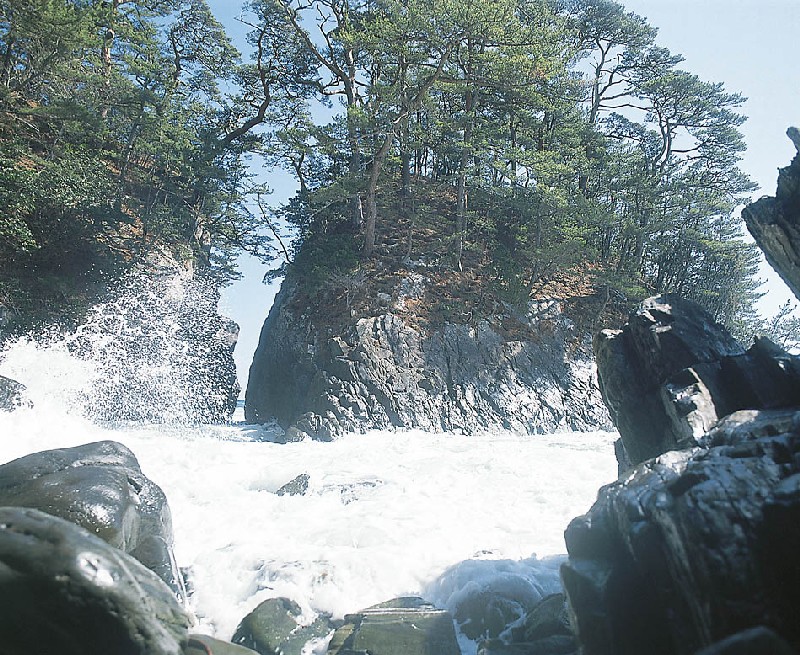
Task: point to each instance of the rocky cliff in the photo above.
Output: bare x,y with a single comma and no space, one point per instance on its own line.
774,223
393,365
694,548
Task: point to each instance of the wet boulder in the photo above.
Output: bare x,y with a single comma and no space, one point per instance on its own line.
274,628
64,590
672,372
694,546
100,487
403,626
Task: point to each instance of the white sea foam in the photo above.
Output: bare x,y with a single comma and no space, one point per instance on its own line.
385,514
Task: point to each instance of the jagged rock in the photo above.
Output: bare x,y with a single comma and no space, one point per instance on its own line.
693,546
63,590
403,626
672,372
296,487
775,222
100,487
12,395
272,628
384,372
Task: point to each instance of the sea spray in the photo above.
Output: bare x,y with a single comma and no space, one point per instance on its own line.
385,513
156,350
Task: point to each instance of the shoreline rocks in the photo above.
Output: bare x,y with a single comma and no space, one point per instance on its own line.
101,488
64,590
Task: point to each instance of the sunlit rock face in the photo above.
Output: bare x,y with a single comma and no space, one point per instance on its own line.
388,371
64,590
100,487
672,372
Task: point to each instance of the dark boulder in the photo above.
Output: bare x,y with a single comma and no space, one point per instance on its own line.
12,395
403,626
100,487
205,645
694,545
273,628
672,372
548,618
65,591
775,222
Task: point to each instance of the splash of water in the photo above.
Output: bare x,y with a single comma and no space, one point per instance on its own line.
155,351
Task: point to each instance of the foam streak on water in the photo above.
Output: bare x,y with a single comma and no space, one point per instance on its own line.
385,514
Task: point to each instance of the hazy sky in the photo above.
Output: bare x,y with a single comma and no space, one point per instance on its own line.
749,45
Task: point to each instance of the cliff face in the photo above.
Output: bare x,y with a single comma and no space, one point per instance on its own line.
693,551
774,223
530,373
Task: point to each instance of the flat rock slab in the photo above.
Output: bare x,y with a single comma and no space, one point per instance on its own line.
404,626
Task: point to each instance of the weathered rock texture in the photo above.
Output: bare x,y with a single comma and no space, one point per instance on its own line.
695,545
775,222
63,590
671,373
385,371
403,626
695,549
100,487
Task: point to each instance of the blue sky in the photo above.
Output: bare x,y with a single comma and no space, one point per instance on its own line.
749,45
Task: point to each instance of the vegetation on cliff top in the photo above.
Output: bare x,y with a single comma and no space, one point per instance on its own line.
545,137
515,143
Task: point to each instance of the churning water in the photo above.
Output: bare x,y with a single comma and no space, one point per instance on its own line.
385,513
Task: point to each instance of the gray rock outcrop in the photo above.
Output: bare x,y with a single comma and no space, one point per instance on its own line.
273,628
100,487
672,372
403,626
63,590
385,372
774,222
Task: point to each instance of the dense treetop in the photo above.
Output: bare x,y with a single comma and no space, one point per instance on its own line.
519,141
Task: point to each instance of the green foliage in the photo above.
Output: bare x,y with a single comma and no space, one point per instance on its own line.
569,139
116,140
559,136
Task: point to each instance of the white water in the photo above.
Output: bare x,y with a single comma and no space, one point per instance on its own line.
386,514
